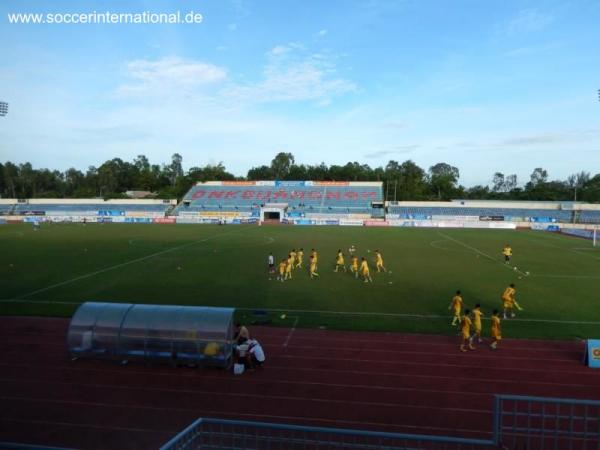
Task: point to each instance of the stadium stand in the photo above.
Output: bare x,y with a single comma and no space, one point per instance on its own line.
293,199
501,210
90,208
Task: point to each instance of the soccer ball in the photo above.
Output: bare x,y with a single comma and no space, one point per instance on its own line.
515,269
526,273
282,316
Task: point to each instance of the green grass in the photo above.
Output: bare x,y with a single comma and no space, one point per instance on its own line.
226,266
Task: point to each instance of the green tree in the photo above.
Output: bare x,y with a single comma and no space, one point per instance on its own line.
442,179
281,164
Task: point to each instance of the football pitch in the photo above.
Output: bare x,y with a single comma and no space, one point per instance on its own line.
51,271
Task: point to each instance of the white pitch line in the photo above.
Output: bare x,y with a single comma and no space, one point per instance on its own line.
117,266
491,258
408,316
289,336
338,313
567,276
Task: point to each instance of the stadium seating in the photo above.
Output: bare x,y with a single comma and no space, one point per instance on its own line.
104,208
300,197
589,216
520,214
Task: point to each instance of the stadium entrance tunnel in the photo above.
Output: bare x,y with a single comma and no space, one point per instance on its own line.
189,335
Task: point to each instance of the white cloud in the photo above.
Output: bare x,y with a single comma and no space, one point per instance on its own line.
531,50
528,20
398,150
169,73
292,74
322,32
232,26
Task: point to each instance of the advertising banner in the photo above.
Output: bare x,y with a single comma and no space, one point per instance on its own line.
593,353
164,220
376,223
290,183
491,218
238,183
352,222
588,234
542,219
111,213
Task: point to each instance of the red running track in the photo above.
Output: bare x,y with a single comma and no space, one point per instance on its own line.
376,381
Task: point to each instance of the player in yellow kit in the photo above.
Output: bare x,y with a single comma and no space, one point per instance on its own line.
364,270
456,305
477,315
289,265
293,257
507,252
354,265
299,258
313,267
313,254
465,330
282,265
379,262
495,330
508,301
339,262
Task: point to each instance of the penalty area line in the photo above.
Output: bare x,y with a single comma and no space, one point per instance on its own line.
491,258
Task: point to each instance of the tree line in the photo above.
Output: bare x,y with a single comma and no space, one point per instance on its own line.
402,181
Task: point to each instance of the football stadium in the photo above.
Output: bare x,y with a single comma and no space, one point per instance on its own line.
384,234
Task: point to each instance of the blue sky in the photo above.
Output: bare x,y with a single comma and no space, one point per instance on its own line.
484,85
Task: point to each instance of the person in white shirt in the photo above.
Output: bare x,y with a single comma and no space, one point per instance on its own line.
257,354
271,262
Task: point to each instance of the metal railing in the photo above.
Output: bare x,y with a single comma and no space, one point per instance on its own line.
212,434
540,423
519,423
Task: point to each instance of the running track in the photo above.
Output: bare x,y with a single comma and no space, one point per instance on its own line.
376,381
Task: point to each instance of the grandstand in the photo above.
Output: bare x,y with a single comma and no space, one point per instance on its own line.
90,209
283,200
512,211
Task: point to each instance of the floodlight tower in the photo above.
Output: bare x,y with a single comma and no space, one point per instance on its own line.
3,109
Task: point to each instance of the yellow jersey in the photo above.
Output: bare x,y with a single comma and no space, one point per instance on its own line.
509,294
354,262
364,267
507,251
477,314
299,256
496,332
340,258
465,327
457,302
293,255
379,259
314,256
282,267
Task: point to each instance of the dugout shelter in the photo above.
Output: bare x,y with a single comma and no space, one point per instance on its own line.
176,334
